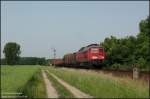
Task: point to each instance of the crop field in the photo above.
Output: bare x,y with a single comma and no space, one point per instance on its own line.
28,80
15,78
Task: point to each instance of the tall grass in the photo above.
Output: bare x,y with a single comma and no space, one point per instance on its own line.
13,78
22,79
101,85
35,87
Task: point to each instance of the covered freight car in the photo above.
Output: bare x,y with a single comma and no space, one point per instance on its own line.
70,59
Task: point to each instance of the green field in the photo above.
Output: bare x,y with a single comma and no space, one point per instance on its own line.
29,81
15,78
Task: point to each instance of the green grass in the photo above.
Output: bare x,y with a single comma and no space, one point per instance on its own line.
35,88
14,78
62,91
101,85
28,79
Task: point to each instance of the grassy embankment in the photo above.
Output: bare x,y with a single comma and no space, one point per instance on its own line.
35,87
17,79
101,85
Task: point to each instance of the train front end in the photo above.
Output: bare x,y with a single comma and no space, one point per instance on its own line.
96,55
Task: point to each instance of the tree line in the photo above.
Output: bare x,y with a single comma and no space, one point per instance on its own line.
27,61
129,51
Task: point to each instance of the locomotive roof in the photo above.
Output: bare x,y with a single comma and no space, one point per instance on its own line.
89,46
92,45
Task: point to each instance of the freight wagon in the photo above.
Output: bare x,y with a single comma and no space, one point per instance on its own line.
70,59
57,62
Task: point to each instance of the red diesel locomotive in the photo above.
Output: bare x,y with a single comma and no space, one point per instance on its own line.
92,55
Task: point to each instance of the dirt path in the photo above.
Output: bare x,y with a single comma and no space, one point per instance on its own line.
51,92
76,92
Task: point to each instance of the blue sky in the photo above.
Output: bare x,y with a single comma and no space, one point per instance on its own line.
67,25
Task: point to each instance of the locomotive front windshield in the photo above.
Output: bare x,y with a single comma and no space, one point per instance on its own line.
101,50
94,50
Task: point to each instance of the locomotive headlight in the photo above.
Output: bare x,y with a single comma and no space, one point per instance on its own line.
94,57
102,57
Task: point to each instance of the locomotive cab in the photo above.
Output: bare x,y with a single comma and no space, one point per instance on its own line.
97,53
92,55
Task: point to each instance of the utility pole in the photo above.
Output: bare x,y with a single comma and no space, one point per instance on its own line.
54,51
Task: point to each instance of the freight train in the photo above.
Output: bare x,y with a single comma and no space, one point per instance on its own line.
91,55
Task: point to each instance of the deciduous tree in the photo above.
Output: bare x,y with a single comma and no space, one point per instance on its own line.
12,52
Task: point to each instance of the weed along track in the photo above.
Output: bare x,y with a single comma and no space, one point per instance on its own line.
51,91
76,92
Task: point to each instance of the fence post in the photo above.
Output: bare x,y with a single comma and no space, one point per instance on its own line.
135,73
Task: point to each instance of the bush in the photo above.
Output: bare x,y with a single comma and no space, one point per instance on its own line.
141,63
116,66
